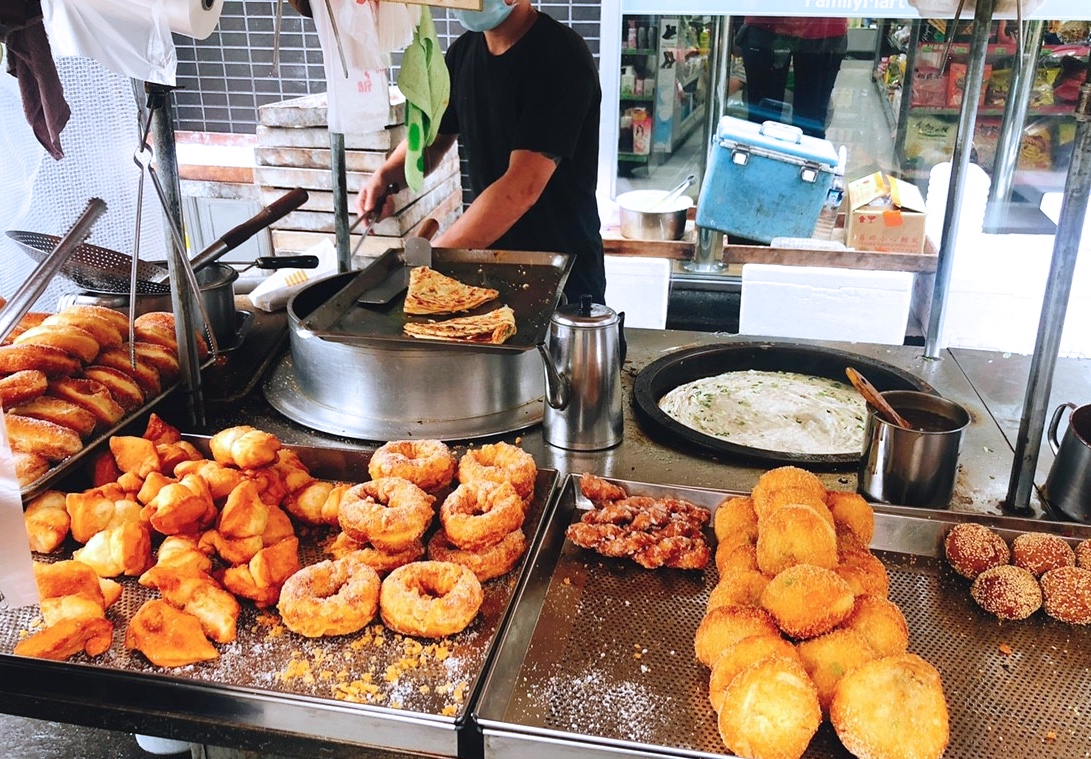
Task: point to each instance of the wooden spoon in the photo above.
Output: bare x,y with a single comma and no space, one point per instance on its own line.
875,400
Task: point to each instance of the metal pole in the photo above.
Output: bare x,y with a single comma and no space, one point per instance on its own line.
183,299
340,201
1011,128
960,162
1066,246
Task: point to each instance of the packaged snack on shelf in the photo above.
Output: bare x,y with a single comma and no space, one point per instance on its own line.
956,84
929,139
996,91
1042,93
929,88
1036,149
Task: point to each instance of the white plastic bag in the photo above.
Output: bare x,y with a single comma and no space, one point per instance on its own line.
130,38
274,292
358,98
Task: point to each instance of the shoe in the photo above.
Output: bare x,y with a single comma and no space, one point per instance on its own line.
668,60
670,32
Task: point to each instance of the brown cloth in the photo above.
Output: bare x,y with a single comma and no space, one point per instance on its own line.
31,63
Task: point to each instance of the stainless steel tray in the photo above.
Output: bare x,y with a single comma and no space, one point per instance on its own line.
270,679
599,657
530,282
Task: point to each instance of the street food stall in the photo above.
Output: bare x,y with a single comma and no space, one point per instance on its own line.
590,635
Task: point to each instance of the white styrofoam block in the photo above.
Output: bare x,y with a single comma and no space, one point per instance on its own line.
809,302
994,299
640,287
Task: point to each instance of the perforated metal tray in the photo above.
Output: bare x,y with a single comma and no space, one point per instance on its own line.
599,656
270,679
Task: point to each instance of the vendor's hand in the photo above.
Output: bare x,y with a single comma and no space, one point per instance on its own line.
369,195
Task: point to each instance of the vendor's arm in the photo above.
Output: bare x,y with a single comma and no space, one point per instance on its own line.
502,203
393,172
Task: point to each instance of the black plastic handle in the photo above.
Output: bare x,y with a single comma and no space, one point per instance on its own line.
275,211
286,262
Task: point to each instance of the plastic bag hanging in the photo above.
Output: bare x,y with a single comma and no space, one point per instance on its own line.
358,97
426,84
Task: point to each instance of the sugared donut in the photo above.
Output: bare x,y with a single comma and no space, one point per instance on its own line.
29,466
75,341
332,597
1083,554
1066,594
21,387
105,331
390,513
52,362
430,599
972,548
30,319
48,440
478,514
163,359
382,562
91,395
116,319
125,390
494,561
1039,552
428,464
59,411
146,375
1007,592
500,462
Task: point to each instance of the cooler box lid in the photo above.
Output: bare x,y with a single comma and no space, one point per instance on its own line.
775,137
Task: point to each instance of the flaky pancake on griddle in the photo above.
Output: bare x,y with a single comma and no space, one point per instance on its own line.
433,293
494,328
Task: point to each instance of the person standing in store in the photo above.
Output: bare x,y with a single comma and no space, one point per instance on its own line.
525,101
812,47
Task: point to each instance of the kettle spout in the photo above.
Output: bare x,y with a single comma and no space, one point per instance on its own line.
558,388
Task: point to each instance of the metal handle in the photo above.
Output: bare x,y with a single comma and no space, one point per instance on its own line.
37,282
235,237
286,262
1055,423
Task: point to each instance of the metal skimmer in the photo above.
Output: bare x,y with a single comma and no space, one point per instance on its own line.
93,268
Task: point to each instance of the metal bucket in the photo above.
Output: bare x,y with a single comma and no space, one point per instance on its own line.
217,282
913,467
639,223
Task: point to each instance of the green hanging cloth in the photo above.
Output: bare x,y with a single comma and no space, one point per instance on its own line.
426,84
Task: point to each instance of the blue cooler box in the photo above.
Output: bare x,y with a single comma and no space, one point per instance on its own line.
765,180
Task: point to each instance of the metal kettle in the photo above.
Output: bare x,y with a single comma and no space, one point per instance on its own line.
583,354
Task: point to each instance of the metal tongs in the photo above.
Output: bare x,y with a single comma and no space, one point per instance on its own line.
142,157
36,283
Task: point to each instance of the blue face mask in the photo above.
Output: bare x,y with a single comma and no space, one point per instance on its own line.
491,15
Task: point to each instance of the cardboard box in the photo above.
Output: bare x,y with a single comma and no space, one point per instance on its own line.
885,213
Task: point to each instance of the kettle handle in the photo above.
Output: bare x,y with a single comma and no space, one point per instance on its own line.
1054,423
623,344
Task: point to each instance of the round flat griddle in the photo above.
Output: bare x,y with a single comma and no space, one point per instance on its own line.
692,364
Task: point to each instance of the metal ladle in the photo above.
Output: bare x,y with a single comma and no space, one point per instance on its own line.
875,399
673,193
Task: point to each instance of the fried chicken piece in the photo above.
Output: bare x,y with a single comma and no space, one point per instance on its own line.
167,636
47,521
599,491
92,636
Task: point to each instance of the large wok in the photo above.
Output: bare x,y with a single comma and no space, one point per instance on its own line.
687,365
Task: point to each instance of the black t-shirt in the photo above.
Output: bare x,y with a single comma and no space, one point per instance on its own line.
542,95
